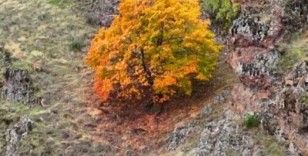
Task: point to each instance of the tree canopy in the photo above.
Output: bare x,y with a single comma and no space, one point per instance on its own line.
154,49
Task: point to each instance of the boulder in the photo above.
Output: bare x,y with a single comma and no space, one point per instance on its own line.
17,86
248,30
15,134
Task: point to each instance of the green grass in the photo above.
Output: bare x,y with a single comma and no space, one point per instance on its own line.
251,121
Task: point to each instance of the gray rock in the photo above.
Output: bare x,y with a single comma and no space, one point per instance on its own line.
179,135
295,15
269,123
18,86
262,64
223,136
15,134
250,27
222,98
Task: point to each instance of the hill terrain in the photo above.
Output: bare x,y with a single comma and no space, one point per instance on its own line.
256,103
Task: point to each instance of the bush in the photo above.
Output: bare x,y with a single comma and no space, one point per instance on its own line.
76,45
153,50
222,12
251,120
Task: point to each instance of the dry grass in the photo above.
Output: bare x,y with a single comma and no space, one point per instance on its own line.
38,34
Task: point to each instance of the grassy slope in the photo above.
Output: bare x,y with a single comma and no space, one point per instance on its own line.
46,39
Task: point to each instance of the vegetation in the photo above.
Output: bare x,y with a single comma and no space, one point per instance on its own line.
251,120
153,50
294,52
60,3
304,99
222,12
269,144
77,45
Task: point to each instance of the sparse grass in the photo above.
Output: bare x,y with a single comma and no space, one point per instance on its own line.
60,3
251,120
295,52
269,145
40,35
304,99
11,112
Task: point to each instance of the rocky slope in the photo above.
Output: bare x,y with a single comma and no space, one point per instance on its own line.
47,107
273,85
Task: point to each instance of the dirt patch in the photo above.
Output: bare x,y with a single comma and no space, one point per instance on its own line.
139,131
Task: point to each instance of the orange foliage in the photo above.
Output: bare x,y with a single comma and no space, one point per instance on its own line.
153,49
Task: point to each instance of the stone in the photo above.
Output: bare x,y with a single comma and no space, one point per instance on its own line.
15,134
222,136
178,136
18,87
295,14
269,123
249,28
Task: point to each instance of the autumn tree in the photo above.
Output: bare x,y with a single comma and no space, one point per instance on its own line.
153,50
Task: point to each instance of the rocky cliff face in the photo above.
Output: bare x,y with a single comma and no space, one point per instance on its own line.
15,134
256,60
16,85
255,54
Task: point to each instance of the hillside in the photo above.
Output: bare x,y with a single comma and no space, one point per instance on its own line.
255,104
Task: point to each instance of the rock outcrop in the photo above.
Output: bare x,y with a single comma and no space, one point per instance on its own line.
18,87
285,115
279,99
15,84
255,58
295,15
15,134
224,136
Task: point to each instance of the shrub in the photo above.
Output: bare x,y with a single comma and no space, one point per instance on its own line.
153,50
222,12
251,120
76,45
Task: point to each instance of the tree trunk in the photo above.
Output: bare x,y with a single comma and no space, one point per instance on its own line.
150,79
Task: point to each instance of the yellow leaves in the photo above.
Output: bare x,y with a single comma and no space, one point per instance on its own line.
156,46
103,87
163,82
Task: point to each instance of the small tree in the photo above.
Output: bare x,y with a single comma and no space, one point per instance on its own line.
153,50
